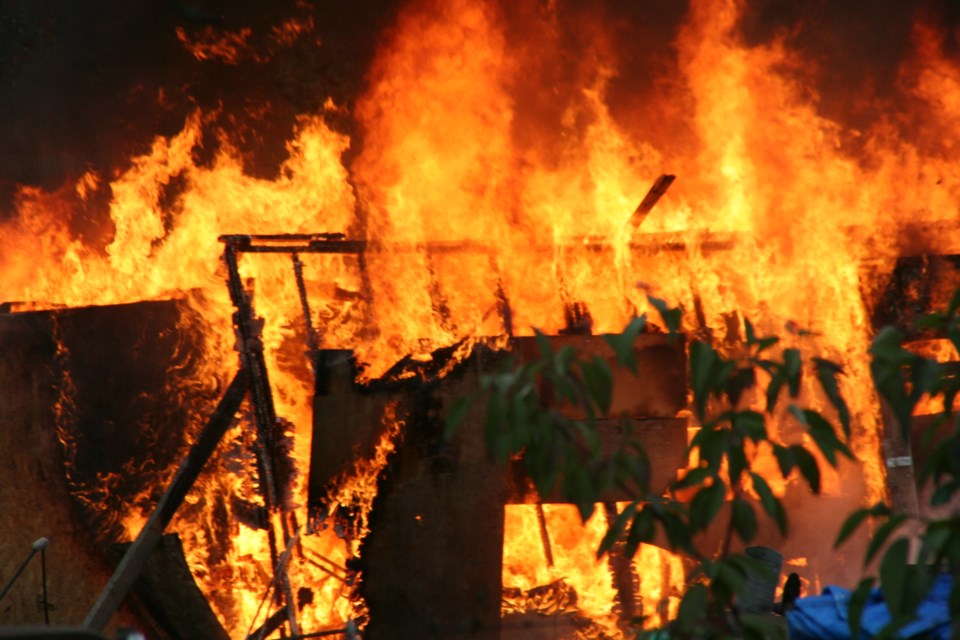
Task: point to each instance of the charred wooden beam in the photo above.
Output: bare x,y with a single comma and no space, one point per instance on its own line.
168,592
916,239
644,244
625,579
273,622
253,361
649,201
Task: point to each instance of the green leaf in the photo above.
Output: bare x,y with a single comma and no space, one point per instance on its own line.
935,538
750,424
784,459
765,343
544,344
887,343
744,520
926,376
893,577
762,344
763,627
944,493
856,518
563,360
589,438
825,439
693,607
737,460
641,531
544,461
858,600
704,362
808,467
616,529
671,317
579,488
751,334
598,380
930,321
793,370
705,505
777,379
498,438
743,378
822,433
853,521
730,577
770,503
678,532
456,414
714,444
827,373
692,478
517,419
623,343
883,532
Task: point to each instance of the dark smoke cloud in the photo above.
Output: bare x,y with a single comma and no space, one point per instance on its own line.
89,84
856,45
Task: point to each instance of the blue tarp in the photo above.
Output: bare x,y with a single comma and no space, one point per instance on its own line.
824,617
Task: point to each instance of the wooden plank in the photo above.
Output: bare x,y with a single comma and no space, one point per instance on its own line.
432,561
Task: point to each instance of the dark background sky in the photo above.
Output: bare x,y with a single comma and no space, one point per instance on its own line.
88,84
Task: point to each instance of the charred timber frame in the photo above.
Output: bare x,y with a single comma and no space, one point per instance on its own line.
251,377
252,360
399,544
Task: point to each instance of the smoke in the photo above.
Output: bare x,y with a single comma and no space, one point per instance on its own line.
86,86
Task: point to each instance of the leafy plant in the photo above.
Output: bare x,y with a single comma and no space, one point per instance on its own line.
902,378
525,420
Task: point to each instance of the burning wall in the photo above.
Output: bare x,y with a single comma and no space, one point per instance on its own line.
520,134
89,429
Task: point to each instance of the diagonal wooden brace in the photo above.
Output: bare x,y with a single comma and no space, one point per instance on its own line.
137,553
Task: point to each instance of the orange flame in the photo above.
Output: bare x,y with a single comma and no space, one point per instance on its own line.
493,128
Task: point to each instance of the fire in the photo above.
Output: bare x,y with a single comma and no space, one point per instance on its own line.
572,560
231,47
228,47
499,160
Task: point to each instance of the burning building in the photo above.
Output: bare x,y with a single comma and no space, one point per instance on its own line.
397,193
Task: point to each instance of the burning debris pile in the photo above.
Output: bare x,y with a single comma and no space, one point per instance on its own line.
476,169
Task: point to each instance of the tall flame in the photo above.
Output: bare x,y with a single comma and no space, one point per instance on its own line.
496,165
